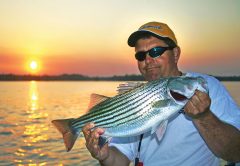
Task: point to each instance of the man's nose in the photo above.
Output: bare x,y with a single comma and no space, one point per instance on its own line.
148,59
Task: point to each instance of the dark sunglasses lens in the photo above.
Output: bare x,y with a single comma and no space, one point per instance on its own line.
157,51
154,52
140,56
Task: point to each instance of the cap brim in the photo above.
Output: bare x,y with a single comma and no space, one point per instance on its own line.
137,35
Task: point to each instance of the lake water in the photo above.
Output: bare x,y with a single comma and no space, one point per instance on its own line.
27,108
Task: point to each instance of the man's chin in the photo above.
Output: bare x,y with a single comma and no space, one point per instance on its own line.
152,77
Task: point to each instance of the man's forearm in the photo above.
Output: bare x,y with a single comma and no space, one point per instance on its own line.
223,139
115,158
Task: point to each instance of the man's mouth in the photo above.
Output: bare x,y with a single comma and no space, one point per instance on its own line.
151,68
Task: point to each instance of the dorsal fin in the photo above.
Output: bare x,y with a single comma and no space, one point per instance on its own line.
122,88
96,99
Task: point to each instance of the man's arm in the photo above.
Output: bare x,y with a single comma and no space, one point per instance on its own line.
115,158
223,139
107,156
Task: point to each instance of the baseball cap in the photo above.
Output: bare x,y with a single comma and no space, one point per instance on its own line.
157,29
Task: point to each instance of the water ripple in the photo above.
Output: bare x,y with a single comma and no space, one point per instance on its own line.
6,133
27,135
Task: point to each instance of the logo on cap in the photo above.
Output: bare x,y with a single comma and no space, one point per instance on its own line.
151,26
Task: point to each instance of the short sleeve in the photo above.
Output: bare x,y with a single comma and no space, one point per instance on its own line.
223,105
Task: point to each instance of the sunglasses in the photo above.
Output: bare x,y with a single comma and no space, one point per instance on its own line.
154,53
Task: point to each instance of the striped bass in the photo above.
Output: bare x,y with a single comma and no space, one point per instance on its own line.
144,108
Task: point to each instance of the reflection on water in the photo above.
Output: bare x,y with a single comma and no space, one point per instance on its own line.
26,111
27,108
33,133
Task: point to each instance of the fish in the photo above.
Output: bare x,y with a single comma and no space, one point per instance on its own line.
137,110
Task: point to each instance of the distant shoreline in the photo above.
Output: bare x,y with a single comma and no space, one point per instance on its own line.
79,77
68,77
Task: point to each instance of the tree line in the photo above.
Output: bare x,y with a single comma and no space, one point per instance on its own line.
79,77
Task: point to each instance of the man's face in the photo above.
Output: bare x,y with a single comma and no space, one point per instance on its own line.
162,66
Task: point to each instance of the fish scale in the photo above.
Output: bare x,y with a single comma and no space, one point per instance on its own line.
142,109
115,110
109,110
121,108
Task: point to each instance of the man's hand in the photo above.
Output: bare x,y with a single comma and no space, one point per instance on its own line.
198,106
222,138
91,137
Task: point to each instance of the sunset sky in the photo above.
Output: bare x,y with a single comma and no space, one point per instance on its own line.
90,37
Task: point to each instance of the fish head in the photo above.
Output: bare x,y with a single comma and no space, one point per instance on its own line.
181,89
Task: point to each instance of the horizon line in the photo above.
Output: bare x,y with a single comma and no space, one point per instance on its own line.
78,74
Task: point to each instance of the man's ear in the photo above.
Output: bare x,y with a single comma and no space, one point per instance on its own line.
177,52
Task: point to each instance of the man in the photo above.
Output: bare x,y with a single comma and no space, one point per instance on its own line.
208,130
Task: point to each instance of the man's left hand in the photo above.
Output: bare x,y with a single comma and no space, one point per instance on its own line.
198,106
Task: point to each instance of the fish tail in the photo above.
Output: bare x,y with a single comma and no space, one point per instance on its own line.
69,135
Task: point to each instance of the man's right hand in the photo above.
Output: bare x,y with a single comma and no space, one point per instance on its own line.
92,137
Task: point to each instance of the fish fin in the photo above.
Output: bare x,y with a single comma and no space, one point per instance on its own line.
161,103
103,140
154,128
96,99
125,87
65,128
161,130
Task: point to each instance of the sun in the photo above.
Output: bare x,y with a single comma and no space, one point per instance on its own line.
33,65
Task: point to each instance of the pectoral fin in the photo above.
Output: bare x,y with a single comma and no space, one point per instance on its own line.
154,128
161,130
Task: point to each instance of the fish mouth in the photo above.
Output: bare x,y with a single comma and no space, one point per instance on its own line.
178,97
